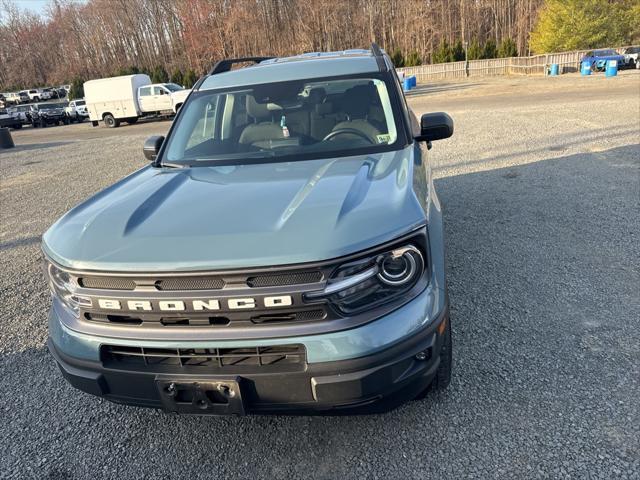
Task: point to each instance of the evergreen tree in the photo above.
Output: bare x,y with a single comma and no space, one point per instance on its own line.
413,60
159,75
397,58
77,89
190,78
458,51
490,50
475,50
507,48
176,77
443,53
585,24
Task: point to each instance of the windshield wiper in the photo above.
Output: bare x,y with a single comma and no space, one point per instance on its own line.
227,158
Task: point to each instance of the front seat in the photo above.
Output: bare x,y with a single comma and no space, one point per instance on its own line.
266,127
356,103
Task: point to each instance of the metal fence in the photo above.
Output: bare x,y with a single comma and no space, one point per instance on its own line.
534,65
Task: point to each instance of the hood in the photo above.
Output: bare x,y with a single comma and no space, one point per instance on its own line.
180,95
203,218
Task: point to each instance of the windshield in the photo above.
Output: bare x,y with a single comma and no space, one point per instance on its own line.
50,106
304,119
172,87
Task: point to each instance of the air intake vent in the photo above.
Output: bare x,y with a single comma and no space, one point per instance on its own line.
294,278
281,358
107,283
190,283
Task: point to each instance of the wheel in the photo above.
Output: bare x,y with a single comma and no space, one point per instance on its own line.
36,99
66,121
43,124
18,126
442,378
178,107
110,122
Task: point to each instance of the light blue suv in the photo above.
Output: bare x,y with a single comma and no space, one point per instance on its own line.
282,252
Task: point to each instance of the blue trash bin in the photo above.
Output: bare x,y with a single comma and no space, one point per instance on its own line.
414,82
406,85
585,69
612,68
554,71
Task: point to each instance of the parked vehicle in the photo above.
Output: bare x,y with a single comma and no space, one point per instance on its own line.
77,111
44,114
36,95
16,98
631,57
283,250
129,97
598,58
22,113
8,120
62,92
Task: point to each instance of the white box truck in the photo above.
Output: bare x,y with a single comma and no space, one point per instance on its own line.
130,97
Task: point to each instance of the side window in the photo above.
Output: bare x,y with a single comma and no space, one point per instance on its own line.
158,91
145,91
206,127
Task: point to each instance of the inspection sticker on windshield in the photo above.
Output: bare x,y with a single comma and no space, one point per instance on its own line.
383,138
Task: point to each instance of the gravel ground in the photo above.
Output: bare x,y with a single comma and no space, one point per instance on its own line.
541,185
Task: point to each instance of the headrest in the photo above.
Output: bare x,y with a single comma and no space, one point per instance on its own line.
357,100
317,95
261,111
324,108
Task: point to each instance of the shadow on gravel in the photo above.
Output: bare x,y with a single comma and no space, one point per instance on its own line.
35,146
19,242
543,273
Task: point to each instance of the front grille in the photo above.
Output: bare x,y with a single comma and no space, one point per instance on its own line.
295,278
190,283
204,360
107,283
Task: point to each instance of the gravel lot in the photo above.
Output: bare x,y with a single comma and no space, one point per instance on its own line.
541,185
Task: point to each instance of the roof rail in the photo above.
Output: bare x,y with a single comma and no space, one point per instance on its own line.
377,53
225,65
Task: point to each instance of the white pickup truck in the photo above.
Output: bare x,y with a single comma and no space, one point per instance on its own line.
76,111
129,97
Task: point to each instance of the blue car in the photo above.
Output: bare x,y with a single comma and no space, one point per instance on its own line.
281,252
598,59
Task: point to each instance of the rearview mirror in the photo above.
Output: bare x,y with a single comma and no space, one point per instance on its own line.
435,126
152,147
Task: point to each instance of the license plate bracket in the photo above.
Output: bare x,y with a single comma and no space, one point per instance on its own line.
201,396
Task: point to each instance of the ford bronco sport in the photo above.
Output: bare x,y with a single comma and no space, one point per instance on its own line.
282,252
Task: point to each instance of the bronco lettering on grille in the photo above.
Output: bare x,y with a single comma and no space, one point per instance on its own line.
196,305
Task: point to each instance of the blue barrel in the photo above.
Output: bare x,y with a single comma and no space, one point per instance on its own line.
555,70
612,68
414,82
585,69
406,84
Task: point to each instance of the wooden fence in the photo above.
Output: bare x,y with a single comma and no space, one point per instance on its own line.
534,65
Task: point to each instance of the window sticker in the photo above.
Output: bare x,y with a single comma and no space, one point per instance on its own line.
383,138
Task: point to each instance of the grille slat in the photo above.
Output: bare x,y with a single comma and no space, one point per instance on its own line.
107,283
287,357
284,279
190,283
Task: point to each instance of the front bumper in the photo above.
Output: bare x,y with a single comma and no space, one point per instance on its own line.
374,383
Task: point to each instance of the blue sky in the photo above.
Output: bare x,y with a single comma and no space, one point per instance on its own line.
36,6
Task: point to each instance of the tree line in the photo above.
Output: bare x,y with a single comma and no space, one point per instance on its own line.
179,40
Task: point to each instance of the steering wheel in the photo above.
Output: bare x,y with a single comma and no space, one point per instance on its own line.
348,131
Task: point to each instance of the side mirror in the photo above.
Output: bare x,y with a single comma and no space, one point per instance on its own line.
152,147
435,126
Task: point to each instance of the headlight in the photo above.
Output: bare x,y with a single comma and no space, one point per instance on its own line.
64,286
374,280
